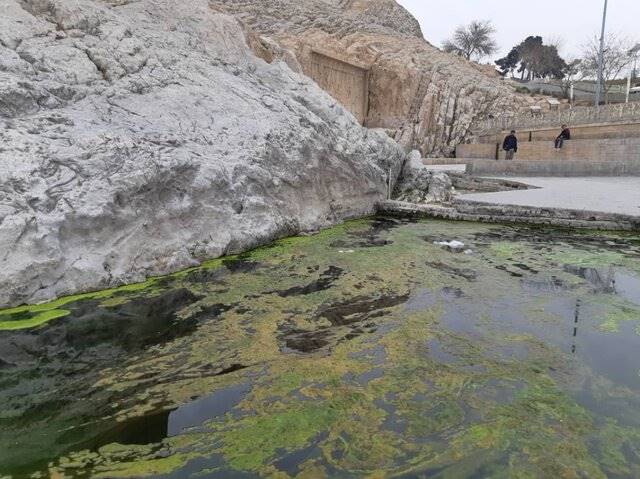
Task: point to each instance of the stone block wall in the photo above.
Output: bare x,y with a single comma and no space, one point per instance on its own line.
590,132
579,115
583,132
562,168
477,150
620,149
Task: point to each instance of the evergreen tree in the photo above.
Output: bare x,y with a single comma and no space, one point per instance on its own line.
533,59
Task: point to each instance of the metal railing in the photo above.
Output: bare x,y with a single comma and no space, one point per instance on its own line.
573,117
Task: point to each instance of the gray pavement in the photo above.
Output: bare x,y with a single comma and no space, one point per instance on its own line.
607,195
445,168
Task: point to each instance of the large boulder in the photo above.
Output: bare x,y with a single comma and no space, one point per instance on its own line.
139,138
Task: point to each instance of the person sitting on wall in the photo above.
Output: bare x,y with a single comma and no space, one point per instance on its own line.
565,135
510,145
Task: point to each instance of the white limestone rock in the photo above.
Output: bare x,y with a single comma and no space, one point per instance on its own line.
418,184
440,188
139,138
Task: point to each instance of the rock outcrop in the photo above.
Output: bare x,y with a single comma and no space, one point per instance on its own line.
419,184
427,99
138,138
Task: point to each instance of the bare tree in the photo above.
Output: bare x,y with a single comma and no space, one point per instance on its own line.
615,59
573,73
473,41
557,41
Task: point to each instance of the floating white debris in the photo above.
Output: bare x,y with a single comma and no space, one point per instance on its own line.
452,245
349,251
468,251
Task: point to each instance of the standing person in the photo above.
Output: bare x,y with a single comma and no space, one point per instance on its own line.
510,145
565,135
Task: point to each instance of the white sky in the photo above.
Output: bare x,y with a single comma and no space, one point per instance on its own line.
572,20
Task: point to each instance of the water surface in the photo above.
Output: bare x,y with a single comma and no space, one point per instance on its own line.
364,351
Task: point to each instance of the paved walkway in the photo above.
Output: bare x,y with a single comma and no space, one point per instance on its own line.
445,168
607,195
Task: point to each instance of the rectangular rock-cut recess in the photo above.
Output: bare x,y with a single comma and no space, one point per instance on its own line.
346,82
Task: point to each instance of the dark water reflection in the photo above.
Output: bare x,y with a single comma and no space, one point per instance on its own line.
577,330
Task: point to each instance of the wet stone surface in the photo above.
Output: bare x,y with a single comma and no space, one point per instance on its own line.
363,351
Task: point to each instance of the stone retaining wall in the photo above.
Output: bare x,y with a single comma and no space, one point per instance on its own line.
562,168
448,161
621,149
477,150
489,213
583,132
575,116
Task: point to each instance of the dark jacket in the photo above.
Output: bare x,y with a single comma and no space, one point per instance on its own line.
510,143
566,134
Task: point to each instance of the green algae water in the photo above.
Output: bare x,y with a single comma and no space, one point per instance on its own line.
367,350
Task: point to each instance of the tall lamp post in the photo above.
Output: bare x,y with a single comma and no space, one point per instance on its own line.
601,55
632,76
635,51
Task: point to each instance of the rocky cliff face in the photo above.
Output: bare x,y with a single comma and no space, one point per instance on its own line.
138,138
426,98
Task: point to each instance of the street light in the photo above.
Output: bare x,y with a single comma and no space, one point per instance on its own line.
634,52
601,55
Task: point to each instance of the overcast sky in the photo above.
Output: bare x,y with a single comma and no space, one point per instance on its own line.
572,20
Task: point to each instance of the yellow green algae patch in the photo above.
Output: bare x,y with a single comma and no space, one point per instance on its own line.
32,316
145,468
368,351
614,311
256,439
37,319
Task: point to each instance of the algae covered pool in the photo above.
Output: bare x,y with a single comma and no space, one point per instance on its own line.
366,350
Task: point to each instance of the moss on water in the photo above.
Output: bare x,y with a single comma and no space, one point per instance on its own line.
589,259
507,250
255,439
361,351
32,316
145,468
35,320
614,311
277,252
614,444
